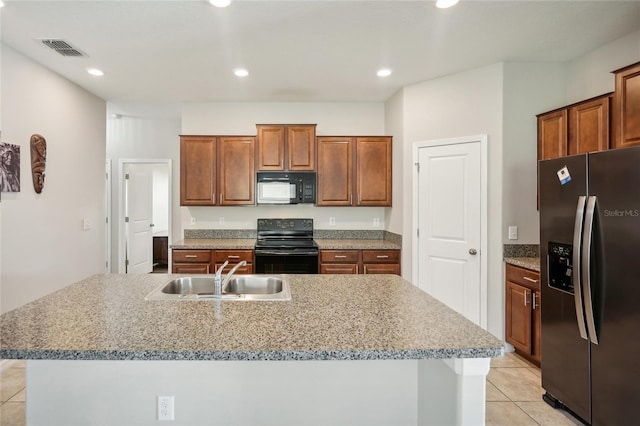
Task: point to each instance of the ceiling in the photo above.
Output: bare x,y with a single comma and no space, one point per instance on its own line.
185,50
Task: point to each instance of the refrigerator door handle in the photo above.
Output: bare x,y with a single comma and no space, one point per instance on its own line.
586,268
577,286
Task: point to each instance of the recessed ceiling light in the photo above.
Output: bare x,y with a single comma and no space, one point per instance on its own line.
241,72
384,72
443,4
95,71
1,3
220,3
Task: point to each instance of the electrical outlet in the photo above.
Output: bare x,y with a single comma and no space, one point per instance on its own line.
376,222
193,220
221,220
165,408
513,232
86,224
332,221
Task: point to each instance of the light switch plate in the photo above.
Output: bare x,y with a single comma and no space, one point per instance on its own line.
513,232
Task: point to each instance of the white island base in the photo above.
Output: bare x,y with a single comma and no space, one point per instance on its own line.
379,392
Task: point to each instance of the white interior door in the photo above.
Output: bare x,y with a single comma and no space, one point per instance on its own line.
139,218
449,209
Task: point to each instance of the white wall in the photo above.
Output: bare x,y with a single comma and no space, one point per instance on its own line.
590,75
529,89
394,124
339,119
44,246
468,103
138,137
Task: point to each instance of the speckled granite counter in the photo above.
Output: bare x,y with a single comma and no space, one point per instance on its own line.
348,244
532,263
215,243
337,317
248,244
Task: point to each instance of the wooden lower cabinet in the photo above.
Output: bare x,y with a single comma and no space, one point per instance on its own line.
339,261
187,261
523,306
234,257
360,262
206,261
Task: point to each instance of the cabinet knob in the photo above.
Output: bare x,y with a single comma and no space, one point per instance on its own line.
473,251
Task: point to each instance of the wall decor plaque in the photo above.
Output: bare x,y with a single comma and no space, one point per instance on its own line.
38,161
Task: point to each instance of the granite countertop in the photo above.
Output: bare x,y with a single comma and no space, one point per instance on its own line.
532,263
351,317
348,244
249,244
216,243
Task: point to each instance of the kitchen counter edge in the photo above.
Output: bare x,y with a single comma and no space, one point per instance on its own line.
532,263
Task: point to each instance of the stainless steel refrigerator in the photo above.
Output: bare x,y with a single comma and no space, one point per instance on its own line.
590,272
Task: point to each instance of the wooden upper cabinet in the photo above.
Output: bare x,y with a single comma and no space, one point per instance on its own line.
197,170
552,134
373,171
335,171
236,156
589,126
286,147
626,107
271,147
301,147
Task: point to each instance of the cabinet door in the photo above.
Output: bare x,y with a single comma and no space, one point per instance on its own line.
373,171
271,147
191,268
536,305
518,321
335,171
301,147
197,170
552,134
589,126
237,170
626,107
329,268
381,268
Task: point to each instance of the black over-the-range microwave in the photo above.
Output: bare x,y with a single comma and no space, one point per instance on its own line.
286,187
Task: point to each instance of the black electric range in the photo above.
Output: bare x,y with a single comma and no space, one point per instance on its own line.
286,246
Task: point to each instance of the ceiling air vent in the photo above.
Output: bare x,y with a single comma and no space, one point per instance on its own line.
62,47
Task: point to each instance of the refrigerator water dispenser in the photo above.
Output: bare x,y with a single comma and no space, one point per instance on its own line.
560,266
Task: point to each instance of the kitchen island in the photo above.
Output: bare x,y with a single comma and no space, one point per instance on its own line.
349,349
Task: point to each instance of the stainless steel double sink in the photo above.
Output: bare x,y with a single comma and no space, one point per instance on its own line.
242,287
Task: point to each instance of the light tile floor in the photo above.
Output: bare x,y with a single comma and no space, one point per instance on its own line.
12,393
514,395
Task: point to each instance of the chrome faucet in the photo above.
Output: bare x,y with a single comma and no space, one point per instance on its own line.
220,283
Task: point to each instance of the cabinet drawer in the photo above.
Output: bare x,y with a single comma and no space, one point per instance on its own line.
191,256
381,268
339,269
191,268
234,256
339,256
523,276
243,270
380,256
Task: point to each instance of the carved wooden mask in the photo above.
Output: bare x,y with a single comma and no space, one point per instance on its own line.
38,161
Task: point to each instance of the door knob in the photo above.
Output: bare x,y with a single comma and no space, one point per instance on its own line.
473,251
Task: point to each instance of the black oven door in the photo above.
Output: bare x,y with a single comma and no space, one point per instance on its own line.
272,261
